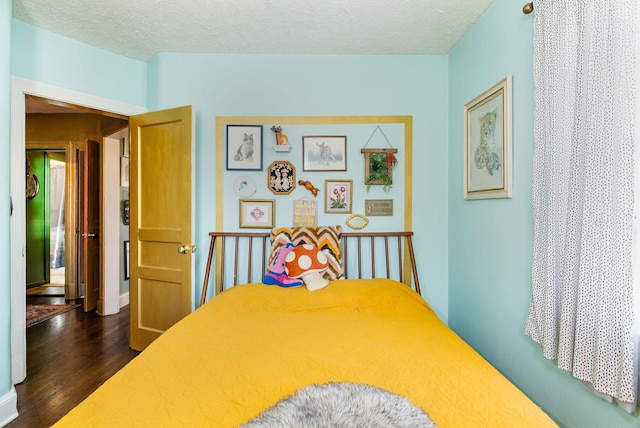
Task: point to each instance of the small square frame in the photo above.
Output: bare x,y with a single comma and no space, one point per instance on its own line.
338,196
243,155
324,153
487,144
257,213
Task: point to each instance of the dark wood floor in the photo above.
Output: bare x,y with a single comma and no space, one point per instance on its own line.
68,357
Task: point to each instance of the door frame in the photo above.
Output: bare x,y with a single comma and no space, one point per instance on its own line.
20,88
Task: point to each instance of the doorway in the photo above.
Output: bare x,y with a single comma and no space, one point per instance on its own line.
63,215
45,219
23,89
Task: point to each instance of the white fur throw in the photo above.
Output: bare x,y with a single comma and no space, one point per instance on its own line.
342,405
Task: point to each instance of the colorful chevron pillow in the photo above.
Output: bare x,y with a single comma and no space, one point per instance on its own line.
327,238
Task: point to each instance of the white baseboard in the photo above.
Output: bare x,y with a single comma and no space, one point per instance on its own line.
8,407
124,299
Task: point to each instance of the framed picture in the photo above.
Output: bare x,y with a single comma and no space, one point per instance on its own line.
281,177
124,172
338,196
324,153
357,221
377,167
487,143
126,259
257,213
126,147
244,147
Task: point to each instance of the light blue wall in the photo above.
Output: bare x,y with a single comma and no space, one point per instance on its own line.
490,241
317,85
50,58
5,271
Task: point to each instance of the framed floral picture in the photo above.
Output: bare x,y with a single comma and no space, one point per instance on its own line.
338,196
257,213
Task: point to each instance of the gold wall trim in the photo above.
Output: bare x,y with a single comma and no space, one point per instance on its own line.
222,121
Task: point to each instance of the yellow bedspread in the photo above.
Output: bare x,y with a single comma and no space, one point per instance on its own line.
253,345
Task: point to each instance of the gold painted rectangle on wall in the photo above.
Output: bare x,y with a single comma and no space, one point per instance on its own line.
378,207
305,213
308,126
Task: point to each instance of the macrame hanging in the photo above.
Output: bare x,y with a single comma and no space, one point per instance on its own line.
379,163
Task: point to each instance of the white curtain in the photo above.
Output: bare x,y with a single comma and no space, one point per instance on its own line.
582,308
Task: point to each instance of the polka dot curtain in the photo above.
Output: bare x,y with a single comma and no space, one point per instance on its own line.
582,309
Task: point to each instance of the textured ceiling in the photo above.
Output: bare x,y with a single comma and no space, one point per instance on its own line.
142,28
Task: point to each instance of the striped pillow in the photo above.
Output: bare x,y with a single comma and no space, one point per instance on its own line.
327,238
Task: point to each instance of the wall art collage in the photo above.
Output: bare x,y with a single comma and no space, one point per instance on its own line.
318,172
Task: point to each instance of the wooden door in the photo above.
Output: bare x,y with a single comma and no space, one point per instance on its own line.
37,223
91,225
161,278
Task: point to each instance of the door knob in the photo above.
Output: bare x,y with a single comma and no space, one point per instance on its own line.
183,249
89,235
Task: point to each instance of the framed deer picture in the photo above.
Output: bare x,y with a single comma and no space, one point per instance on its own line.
324,153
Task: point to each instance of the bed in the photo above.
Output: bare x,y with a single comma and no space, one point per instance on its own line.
252,348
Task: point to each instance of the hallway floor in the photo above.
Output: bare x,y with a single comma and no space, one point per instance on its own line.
68,357
54,288
46,290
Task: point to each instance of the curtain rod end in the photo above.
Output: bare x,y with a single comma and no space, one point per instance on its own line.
528,8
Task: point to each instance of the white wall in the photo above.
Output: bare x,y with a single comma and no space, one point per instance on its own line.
115,232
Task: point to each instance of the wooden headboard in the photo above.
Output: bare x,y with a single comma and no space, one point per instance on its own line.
364,255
